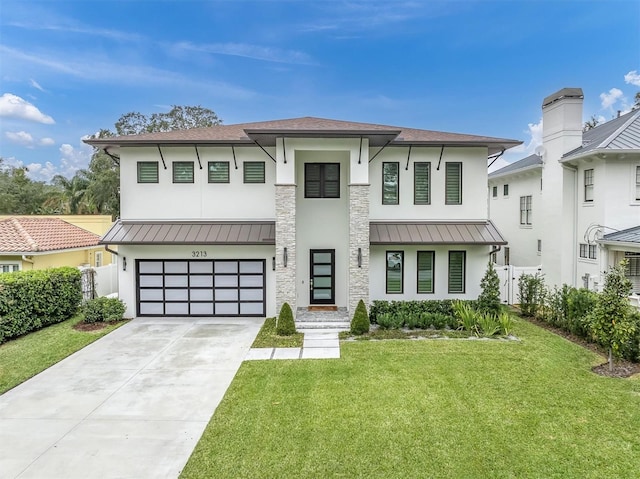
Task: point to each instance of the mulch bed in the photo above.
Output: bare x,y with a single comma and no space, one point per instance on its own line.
621,368
82,326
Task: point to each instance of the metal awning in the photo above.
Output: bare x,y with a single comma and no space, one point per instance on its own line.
218,232
462,233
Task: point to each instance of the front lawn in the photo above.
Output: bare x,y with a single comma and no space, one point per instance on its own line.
427,408
24,357
268,337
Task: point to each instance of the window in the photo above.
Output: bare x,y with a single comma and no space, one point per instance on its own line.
253,171
147,172
98,259
453,183
588,185
632,271
505,190
395,260
637,182
422,183
183,171
525,210
494,192
322,180
588,251
218,171
457,260
390,183
425,271
507,259
539,246
9,268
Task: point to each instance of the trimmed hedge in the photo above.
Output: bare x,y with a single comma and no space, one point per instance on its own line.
285,325
103,309
440,308
360,321
30,300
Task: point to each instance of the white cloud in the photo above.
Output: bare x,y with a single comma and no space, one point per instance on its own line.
47,141
35,85
15,107
632,78
26,139
256,52
528,148
609,99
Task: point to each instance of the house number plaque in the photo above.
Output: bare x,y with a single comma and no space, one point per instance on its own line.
198,254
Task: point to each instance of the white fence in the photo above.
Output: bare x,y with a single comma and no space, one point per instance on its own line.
509,276
100,281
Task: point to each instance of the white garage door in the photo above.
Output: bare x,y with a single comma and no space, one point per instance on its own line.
201,287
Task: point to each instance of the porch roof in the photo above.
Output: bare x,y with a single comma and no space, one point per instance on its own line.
435,233
628,237
184,232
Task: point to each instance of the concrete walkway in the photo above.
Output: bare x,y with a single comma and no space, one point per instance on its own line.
131,405
317,344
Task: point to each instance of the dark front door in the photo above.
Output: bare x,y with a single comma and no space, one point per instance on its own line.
322,281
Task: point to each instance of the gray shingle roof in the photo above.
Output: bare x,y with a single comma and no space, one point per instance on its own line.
622,133
630,235
528,163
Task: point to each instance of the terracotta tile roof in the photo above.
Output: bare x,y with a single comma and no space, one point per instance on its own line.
39,234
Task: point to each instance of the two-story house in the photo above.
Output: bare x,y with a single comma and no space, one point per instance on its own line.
235,220
574,209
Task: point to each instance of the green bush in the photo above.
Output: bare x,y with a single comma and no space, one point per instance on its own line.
360,320
531,294
390,321
30,300
443,307
580,303
285,326
488,324
489,299
467,316
103,309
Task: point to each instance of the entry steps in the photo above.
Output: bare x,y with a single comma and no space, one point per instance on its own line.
322,318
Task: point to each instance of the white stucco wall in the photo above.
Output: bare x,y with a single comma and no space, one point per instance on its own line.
127,279
477,259
168,201
474,185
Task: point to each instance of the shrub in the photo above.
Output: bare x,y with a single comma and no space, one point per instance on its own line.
506,323
467,316
390,321
488,324
30,300
412,320
580,303
556,307
360,321
444,307
285,326
103,309
489,299
531,294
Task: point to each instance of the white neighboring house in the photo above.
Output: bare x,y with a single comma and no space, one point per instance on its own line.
235,220
575,209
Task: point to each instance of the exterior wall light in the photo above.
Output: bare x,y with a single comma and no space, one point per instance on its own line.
359,257
124,263
284,257
273,263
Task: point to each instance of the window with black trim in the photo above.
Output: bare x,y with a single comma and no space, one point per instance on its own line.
525,210
588,185
457,266
588,251
322,180
218,171
505,190
253,171
183,171
426,261
390,183
637,182
147,172
395,266
422,183
494,191
453,183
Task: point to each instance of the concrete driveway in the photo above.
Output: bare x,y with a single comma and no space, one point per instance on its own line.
131,405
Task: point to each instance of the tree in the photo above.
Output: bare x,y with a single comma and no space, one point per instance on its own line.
610,322
636,104
591,123
489,299
178,118
19,195
360,321
73,193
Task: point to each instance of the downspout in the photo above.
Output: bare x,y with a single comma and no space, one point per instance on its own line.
495,250
574,225
106,247
27,260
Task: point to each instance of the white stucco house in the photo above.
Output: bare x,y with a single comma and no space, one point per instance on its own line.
235,220
574,209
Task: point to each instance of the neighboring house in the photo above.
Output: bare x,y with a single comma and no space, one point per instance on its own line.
575,209
238,219
39,242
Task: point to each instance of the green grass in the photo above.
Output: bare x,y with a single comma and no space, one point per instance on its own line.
437,409
268,338
379,334
24,357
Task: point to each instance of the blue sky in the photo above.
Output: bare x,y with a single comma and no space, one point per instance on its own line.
69,68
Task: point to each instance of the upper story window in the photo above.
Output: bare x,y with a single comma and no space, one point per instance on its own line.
588,251
588,185
505,190
218,171
422,183
425,271
322,180
390,183
638,183
147,172
525,210
183,171
395,263
457,268
453,183
494,191
253,171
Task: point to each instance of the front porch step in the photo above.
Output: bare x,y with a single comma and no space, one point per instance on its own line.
329,318
319,325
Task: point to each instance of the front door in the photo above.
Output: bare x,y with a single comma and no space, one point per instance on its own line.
322,280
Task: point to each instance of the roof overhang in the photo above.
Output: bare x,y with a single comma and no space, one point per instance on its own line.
524,169
50,251
619,244
190,233
267,137
435,233
600,153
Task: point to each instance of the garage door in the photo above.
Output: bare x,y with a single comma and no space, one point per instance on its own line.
201,287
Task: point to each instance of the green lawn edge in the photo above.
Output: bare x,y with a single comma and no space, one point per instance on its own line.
24,357
268,338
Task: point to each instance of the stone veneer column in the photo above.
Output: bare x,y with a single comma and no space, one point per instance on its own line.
286,238
358,238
